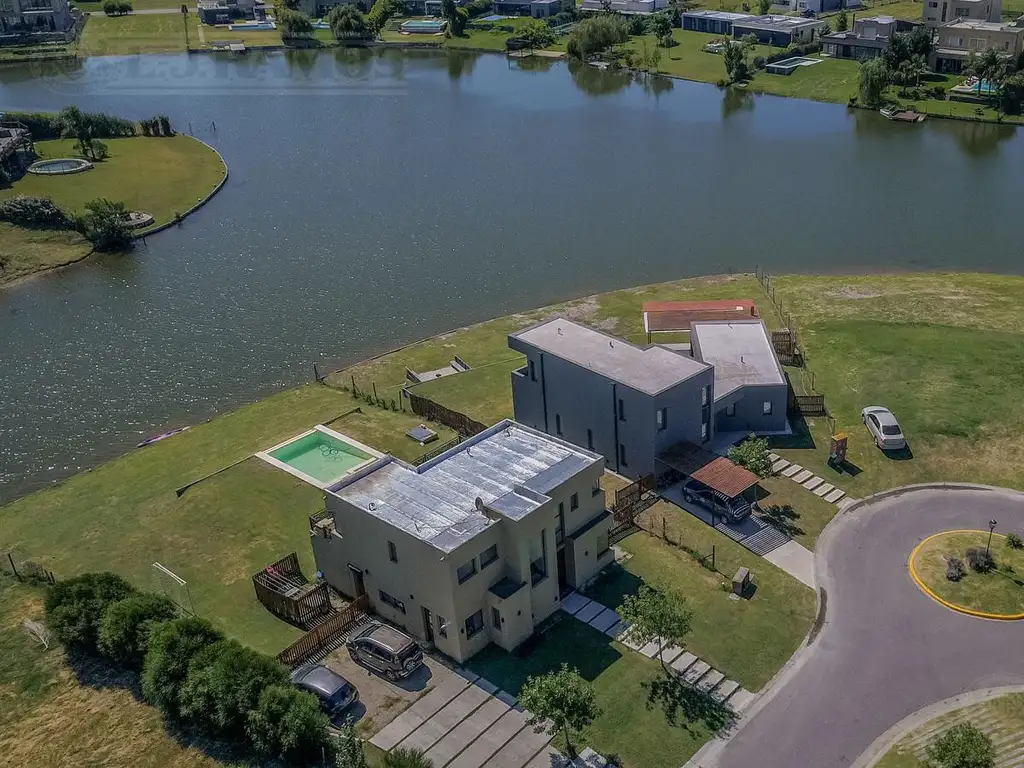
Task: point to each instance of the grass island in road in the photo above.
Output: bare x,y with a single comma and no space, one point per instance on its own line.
999,591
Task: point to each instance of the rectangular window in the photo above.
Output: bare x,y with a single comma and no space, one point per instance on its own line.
704,395
539,558
590,440
474,623
933,4
533,371
574,502
488,556
602,543
703,433
597,487
496,618
558,423
394,602
560,524
392,552
766,408
442,626
730,410
662,418
622,410
466,571
622,455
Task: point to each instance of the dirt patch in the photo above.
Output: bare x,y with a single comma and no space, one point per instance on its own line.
380,700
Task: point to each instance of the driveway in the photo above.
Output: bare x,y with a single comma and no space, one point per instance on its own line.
886,650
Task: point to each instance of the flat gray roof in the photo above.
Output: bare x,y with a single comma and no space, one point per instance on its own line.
719,15
509,467
741,352
647,369
781,23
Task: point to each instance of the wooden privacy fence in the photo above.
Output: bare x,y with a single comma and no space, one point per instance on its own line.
807,405
630,501
288,594
325,636
432,411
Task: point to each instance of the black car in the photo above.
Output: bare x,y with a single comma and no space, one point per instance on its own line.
336,694
386,650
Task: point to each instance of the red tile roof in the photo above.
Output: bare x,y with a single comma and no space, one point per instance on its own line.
716,472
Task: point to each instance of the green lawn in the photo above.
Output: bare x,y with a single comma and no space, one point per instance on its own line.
385,430
162,176
647,720
24,251
748,640
1001,718
127,35
795,510
251,38
688,59
999,591
96,7
831,80
484,394
911,10
12,53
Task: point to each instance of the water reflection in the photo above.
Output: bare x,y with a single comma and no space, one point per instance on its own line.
599,82
532,63
461,63
736,100
975,139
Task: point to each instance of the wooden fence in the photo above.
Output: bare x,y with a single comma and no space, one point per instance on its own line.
807,405
432,411
25,569
630,501
326,636
288,594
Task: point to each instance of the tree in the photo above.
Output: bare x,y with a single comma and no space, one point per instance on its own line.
842,22
537,33
126,624
348,23
563,698
962,746
656,614
106,225
293,24
404,757
456,21
1011,100
287,724
381,13
172,646
735,57
874,79
595,34
919,41
896,52
989,67
348,749
224,683
753,454
74,608
763,6
660,26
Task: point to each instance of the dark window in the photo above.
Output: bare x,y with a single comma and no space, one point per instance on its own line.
602,543
539,558
730,410
496,618
394,602
597,487
703,433
488,556
574,502
558,423
392,552
590,440
766,408
442,626
560,524
466,571
622,455
890,429
704,395
533,371
474,623
662,418
622,410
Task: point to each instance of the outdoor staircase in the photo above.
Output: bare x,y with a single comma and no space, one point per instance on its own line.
763,541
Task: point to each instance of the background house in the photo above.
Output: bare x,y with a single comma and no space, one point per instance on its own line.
474,546
957,40
714,22
627,7
24,17
868,38
937,12
779,31
538,9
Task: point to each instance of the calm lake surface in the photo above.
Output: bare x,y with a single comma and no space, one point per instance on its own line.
378,197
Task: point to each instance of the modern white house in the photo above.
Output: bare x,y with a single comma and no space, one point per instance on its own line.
938,12
35,17
634,404
779,31
628,7
474,546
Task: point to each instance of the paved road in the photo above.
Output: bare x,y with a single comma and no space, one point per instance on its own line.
886,649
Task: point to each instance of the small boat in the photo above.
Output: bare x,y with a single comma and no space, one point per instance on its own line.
902,115
158,438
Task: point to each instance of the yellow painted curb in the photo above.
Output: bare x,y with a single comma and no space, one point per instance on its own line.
953,606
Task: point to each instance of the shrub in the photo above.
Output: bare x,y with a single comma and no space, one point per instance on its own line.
224,683
759,62
293,24
404,757
348,750
962,746
753,454
74,608
1013,541
595,34
478,8
980,560
955,569
288,724
126,624
106,226
172,646
34,212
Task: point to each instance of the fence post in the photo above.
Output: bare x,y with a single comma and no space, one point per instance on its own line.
13,568
713,567
374,385
316,374
354,390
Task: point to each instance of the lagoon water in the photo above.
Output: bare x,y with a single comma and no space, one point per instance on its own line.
378,197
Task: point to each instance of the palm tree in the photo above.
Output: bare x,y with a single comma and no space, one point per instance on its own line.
407,758
989,67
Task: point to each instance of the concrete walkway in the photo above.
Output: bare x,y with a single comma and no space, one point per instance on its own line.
683,663
796,560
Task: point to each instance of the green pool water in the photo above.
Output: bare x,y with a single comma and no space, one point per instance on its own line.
320,456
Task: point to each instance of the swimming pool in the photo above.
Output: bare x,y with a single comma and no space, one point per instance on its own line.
320,456
970,87
253,26
59,166
424,26
788,66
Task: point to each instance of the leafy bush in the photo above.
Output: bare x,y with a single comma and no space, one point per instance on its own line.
1013,541
980,560
117,7
172,646
348,750
759,62
595,34
962,746
288,724
536,34
74,608
106,225
125,626
753,454
478,8
348,23
293,24
403,757
794,50
35,213
224,683
955,569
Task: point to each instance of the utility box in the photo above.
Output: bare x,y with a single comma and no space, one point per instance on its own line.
741,581
837,448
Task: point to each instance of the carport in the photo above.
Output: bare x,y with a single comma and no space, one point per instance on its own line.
721,475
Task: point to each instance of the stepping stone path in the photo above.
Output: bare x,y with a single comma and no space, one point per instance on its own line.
813,483
802,477
824,488
806,478
684,664
835,495
791,470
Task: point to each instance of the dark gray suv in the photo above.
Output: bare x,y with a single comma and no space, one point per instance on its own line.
336,694
386,651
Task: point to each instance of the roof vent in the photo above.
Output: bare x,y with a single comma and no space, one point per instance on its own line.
559,329
742,360
479,504
610,344
372,506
